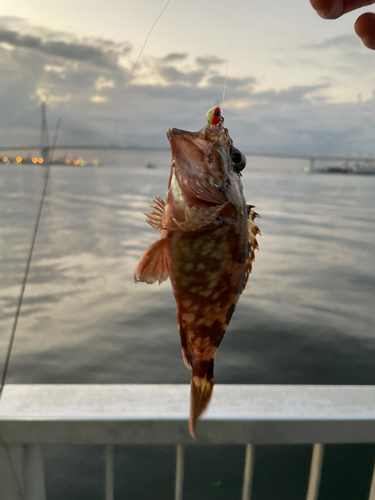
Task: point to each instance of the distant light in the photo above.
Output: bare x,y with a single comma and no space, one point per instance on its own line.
40,160
67,161
34,159
76,162
19,159
307,169
5,159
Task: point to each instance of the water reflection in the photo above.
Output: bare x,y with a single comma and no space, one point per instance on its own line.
19,203
307,315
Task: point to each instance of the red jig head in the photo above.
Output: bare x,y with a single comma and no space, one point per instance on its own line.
214,117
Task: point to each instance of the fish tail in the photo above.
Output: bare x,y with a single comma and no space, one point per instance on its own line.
202,384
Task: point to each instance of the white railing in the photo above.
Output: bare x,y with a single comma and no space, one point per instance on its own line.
33,415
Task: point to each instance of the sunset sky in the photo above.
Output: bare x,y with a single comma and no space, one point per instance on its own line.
296,83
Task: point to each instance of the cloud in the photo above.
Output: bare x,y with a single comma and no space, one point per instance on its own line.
233,83
84,82
9,20
173,75
174,57
342,41
209,61
97,52
292,95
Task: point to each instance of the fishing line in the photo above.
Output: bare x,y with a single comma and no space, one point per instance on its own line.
135,64
20,299
229,45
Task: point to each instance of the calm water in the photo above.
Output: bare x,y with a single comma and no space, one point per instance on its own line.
306,317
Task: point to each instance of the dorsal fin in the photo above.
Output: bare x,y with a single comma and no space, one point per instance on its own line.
253,231
155,217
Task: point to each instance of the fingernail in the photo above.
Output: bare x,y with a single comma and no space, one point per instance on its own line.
335,11
321,13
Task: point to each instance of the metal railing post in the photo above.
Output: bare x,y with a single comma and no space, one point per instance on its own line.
179,484
109,472
34,473
315,471
248,472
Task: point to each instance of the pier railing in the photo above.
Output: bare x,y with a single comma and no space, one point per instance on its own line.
109,415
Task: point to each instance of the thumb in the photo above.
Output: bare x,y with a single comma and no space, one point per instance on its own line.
365,29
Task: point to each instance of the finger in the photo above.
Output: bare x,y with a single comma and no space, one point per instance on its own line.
332,9
365,29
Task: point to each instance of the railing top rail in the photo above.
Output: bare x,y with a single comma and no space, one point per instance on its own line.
157,414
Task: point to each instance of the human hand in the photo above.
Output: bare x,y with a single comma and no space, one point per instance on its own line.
365,24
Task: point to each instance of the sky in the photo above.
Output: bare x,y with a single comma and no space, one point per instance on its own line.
295,83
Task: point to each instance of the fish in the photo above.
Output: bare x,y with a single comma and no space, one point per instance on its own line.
206,247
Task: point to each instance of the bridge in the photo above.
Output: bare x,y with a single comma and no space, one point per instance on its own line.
45,149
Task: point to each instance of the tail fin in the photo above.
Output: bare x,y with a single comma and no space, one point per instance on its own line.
202,383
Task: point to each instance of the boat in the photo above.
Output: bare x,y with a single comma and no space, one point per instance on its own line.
364,168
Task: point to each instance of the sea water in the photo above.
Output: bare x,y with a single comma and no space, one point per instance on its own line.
307,316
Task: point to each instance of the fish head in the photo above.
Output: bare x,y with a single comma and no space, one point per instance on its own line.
206,167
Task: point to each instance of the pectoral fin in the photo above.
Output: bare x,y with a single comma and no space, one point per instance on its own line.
154,264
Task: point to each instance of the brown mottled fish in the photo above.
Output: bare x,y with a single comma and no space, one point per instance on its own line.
208,238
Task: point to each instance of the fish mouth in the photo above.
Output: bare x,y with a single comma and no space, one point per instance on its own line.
176,131
188,149
172,133
174,136
190,152
184,143
197,145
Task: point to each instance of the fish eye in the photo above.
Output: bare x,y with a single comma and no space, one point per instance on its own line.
218,113
238,159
